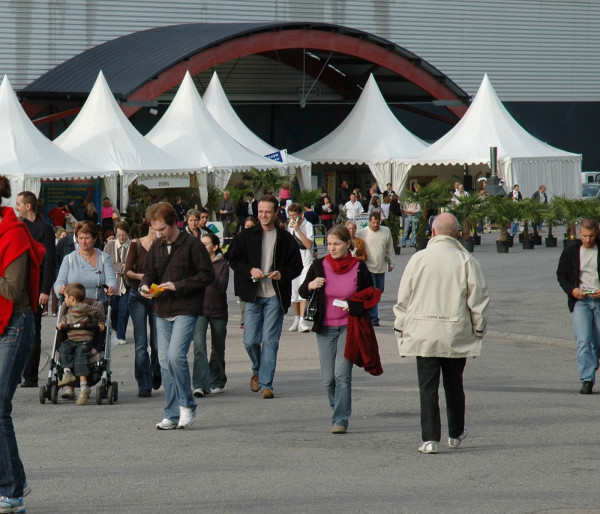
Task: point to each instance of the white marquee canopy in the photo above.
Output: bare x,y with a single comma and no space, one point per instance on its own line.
371,134
27,157
522,158
217,103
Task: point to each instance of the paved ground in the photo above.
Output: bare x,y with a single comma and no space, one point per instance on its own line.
532,445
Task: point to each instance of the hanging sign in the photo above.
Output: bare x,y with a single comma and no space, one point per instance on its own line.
164,182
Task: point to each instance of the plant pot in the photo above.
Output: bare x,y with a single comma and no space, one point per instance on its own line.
528,244
537,240
569,242
421,245
511,240
521,237
469,244
502,246
551,242
396,250
476,239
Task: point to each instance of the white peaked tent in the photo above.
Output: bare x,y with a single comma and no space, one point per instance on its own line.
522,159
217,103
371,135
187,128
27,157
101,134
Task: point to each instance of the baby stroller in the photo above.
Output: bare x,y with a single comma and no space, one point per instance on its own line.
99,363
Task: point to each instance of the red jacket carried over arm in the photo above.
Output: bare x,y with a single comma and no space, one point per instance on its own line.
361,343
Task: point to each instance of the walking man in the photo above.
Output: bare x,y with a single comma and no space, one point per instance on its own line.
578,275
26,205
265,259
441,333
380,255
227,212
353,207
181,266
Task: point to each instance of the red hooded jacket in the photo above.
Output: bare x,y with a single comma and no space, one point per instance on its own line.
361,343
15,239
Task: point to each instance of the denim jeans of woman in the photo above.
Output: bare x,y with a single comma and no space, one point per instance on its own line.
336,372
143,316
15,345
174,339
207,375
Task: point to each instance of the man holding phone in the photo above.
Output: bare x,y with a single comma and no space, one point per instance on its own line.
578,275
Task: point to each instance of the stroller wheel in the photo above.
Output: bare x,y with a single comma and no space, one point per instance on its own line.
110,394
42,394
99,394
54,393
115,391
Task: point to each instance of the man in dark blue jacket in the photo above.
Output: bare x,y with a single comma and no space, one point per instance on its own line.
265,259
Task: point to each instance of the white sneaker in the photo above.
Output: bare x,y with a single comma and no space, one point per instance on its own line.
186,417
294,327
429,447
455,443
122,341
166,424
303,326
217,390
199,393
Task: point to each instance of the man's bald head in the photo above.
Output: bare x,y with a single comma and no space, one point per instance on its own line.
445,225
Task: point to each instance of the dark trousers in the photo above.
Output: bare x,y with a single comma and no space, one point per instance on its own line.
30,373
428,370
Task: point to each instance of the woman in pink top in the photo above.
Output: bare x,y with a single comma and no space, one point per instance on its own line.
284,192
337,276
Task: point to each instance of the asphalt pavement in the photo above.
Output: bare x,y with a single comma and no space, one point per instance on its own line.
532,444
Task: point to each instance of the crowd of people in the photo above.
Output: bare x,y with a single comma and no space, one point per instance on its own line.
172,280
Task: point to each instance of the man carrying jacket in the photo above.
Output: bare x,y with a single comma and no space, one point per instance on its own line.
180,265
265,259
578,274
442,333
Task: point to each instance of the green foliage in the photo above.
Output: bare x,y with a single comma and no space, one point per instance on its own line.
393,223
571,211
312,196
501,210
432,196
214,197
530,211
468,211
261,181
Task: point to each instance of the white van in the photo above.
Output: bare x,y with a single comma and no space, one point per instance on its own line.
590,176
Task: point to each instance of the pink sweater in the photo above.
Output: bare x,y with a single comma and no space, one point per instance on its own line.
340,286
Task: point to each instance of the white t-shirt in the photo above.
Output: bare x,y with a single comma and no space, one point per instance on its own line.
308,230
269,238
588,268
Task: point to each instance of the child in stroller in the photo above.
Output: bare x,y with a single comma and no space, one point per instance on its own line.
80,320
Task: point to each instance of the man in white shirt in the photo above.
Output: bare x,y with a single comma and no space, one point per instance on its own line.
578,275
304,235
353,207
380,255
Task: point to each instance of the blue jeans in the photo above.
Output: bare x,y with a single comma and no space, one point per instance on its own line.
586,326
142,312
378,283
15,345
209,375
336,372
514,228
120,314
174,339
411,222
262,330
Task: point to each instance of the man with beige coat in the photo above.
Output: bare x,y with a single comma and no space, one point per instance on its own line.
440,319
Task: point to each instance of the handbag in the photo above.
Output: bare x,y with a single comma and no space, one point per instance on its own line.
312,304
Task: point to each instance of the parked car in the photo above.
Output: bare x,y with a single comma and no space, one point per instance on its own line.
590,177
591,190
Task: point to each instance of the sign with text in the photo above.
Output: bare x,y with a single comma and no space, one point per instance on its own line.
53,191
164,182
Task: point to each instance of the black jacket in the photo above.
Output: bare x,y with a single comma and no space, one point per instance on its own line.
246,253
568,270
316,270
42,232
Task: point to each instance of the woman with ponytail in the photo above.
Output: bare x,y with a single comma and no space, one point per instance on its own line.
337,276
20,263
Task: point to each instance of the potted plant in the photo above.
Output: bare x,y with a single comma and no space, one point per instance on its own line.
552,217
571,211
430,198
502,210
393,223
261,181
531,213
467,211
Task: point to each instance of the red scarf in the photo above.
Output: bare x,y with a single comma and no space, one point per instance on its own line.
15,239
342,265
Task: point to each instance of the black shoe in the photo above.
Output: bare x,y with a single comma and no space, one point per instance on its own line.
29,383
375,323
156,382
586,387
145,394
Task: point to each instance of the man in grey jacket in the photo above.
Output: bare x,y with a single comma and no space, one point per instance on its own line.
440,319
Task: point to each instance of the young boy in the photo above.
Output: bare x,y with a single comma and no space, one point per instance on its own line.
75,351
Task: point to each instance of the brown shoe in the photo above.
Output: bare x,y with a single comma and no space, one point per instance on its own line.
267,393
83,396
338,429
67,379
254,383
